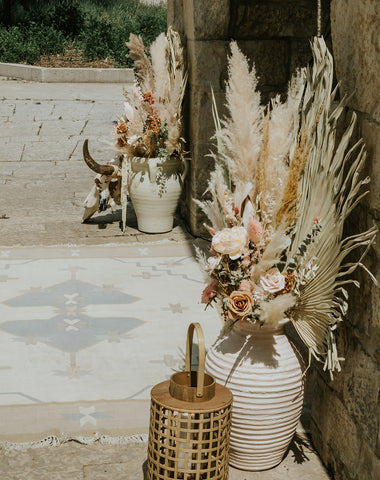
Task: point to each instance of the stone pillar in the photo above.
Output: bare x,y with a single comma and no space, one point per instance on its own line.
345,420
205,33
274,34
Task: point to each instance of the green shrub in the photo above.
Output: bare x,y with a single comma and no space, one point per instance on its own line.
27,45
105,34
152,21
50,40
66,17
97,28
105,38
95,38
14,49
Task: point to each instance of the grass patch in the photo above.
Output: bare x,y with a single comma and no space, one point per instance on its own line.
94,29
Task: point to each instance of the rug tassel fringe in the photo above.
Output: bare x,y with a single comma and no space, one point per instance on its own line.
54,441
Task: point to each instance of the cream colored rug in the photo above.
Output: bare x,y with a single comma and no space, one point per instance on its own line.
85,332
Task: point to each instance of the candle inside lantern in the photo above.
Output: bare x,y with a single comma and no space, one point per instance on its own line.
185,424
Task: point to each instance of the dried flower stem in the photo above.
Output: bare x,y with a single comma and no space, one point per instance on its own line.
264,155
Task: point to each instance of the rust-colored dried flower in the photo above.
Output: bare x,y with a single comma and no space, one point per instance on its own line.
289,282
153,124
122,141
121,128
148,97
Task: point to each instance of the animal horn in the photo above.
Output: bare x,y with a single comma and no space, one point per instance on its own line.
96,167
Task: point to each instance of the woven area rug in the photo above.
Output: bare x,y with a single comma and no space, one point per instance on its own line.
85,332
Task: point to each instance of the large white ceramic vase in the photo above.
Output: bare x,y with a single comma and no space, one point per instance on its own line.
155,187
264,372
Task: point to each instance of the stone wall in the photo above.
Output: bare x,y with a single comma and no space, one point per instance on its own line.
274,34
345,420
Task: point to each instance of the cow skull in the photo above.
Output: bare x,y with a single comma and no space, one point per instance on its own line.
106,193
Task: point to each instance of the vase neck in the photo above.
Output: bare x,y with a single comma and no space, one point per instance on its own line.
246,328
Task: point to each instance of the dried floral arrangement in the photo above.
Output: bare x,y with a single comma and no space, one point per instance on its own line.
277,203
151,124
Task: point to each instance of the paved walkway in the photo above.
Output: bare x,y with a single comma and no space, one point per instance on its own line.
43,183
43,177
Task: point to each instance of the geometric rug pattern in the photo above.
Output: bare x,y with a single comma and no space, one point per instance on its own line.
85,333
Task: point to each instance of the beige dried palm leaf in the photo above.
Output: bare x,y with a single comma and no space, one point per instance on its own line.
330,187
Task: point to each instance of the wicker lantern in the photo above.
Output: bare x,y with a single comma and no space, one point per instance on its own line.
190,420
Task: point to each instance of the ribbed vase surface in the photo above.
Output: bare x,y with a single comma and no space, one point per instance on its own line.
264,372
154,209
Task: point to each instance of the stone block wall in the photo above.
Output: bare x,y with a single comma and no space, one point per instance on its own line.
345,419
274,34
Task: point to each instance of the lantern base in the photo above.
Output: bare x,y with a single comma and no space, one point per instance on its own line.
187,439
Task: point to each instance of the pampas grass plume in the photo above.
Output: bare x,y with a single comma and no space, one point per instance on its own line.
143,67
158,53
273,312
242,130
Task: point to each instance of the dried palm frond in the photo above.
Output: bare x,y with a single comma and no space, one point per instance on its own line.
175,51
330,187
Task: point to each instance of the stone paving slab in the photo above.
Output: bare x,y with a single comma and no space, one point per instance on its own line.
74,461
42,173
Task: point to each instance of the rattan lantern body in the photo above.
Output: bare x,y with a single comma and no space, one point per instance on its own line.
190,421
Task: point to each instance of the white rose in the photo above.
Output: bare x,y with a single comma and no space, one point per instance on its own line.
230,241
273,281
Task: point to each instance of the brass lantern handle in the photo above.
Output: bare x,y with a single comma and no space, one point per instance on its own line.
202,355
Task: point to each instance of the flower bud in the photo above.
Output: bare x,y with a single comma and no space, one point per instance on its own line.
255,231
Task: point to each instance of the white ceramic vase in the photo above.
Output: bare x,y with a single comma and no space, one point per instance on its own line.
155,186
264,372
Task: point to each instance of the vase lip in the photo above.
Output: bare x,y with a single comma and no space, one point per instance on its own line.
248,328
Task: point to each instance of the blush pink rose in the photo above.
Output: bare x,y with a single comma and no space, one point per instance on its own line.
273,281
